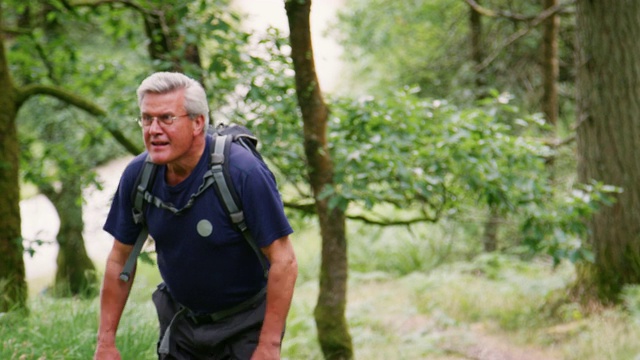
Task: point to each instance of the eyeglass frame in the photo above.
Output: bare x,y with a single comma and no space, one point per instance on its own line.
164,119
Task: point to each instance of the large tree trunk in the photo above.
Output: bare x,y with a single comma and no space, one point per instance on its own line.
13,287
75,273
608,135
333,331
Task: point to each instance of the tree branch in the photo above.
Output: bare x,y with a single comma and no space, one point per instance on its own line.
307,208
558,143
14,31
544,15
65,96
371,219
497,13
97,3
509,15
391,222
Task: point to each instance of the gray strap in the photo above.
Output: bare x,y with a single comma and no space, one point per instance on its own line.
261,256
237,216
148,171
164,344
221,182
207,181
127,270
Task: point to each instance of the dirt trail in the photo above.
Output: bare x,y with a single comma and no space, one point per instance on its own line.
392,309
476,344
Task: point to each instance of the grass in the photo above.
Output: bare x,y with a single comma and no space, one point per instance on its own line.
438,310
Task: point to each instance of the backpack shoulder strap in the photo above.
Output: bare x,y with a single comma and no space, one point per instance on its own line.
220,149
144,180
145,177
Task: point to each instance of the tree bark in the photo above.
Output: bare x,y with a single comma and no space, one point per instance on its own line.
550,65
491,227
75,274
477,48
608,136
333,331
13,286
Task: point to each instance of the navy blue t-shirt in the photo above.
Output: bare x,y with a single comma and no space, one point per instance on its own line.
206,264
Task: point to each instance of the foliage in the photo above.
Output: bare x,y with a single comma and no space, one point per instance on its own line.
630,296
390,44
421,150
56,138
59,145
267,104
560,228
434,155
419,159
402,250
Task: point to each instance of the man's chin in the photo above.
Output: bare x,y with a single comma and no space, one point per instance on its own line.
158,159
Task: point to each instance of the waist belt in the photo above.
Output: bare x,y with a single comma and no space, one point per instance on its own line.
208,318
219,315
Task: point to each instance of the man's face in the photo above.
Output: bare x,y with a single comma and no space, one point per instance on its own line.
167,143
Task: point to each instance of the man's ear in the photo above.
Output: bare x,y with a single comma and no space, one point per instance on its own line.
198,125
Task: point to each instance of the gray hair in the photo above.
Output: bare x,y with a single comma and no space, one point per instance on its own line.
195,98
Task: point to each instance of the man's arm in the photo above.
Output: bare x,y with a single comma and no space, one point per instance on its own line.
113,298
280,284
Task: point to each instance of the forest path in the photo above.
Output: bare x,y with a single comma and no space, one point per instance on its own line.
477,344
399,327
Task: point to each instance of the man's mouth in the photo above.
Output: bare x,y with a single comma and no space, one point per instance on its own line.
158,143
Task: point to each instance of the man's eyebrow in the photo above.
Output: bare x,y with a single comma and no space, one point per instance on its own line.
161,114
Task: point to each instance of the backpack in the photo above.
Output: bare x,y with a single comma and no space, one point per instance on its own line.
217,176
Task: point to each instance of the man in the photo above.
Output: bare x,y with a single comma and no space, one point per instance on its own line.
210,305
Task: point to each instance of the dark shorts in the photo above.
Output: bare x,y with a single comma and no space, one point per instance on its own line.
234,337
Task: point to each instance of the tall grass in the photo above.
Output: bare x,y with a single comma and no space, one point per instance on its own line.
411,295
66,328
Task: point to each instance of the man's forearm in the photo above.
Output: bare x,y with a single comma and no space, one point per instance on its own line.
113,297
280,286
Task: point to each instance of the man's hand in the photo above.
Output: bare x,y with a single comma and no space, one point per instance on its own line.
106,352
266,351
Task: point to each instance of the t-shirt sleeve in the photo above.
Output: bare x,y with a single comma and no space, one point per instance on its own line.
262,204
119,221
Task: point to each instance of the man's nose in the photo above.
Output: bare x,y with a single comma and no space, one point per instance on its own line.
155,127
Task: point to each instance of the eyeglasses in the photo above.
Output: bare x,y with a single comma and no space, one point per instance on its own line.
164,119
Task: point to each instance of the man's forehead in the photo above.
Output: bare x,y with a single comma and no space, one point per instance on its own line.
171,101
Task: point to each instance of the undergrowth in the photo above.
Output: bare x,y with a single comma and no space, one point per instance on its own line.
406,300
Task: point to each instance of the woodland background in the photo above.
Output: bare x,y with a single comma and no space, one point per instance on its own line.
467,190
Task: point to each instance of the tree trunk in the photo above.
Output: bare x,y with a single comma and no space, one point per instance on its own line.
76,273
608,135
550,66
491,226
477,47
167,45
13,287
492,223
331,323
